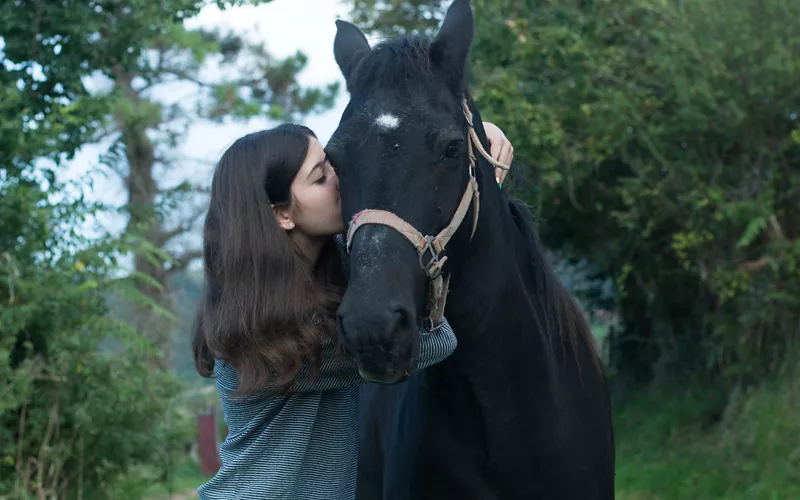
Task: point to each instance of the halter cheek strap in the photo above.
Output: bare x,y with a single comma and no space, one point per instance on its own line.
430,248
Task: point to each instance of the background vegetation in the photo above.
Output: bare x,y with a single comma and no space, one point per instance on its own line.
661,149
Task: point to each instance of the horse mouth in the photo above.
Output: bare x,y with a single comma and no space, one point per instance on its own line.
385,371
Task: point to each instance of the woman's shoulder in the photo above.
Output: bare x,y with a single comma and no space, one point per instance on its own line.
225,375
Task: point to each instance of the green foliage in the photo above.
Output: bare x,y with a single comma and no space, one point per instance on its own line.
48,47
661,142
73,420
76,421
392,18
667,448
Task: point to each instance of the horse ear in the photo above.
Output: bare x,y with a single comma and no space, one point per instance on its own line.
450,49
349,46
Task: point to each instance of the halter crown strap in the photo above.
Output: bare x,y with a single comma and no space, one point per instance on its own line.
474,136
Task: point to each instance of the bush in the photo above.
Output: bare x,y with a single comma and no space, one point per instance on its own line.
663,140
74,420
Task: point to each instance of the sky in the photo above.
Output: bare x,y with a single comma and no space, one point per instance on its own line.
285,26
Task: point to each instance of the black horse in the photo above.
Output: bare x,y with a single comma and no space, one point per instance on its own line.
521,409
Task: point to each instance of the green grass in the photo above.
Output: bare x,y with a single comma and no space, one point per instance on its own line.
667,449
186,479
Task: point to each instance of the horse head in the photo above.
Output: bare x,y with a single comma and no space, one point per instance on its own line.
402,153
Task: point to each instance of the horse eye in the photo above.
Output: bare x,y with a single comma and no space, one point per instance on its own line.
453,149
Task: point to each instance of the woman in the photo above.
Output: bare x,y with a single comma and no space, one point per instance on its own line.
265,327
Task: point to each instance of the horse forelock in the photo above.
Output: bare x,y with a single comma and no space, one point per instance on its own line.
401,63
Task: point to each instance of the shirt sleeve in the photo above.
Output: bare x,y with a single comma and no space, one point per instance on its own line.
339,369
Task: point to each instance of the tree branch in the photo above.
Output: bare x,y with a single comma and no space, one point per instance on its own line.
103,134
165,236
182,75
184,259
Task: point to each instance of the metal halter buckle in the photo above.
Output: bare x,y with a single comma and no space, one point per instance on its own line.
434,256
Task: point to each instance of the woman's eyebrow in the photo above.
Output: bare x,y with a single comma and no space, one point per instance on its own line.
318,165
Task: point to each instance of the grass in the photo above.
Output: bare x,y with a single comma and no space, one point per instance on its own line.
667,449
186,480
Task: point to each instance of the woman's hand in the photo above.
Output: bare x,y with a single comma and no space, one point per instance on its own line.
500,149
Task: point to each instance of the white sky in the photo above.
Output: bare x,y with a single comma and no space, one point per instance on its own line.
286,26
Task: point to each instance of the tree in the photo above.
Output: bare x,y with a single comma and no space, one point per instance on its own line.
392,18
75,421
663,146
48,47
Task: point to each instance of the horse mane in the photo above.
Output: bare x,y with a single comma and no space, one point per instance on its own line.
399,61
562,316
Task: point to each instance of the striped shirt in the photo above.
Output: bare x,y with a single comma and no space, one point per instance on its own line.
304,445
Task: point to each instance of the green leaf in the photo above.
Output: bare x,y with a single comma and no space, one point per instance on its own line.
751,232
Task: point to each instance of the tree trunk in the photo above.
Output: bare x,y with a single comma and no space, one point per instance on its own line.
142,199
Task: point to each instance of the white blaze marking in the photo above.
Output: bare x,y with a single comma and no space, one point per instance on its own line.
387,121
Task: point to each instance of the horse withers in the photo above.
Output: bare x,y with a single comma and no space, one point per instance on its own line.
521,409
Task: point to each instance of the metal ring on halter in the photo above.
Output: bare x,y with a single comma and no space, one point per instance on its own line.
434,256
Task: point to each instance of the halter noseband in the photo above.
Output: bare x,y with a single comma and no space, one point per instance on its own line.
430,248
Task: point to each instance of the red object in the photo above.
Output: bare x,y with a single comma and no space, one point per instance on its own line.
208,442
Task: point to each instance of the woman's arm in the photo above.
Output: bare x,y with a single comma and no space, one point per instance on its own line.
339,369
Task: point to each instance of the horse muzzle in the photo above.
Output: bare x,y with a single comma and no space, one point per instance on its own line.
384,342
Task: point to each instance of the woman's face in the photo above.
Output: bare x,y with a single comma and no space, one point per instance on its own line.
316,208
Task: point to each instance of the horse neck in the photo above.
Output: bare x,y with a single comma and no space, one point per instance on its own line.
500,286
491,265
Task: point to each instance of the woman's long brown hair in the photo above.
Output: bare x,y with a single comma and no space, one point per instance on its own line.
266,309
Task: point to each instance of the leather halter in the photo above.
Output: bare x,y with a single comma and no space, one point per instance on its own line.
430,248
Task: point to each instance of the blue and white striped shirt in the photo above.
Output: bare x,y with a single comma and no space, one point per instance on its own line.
304,445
